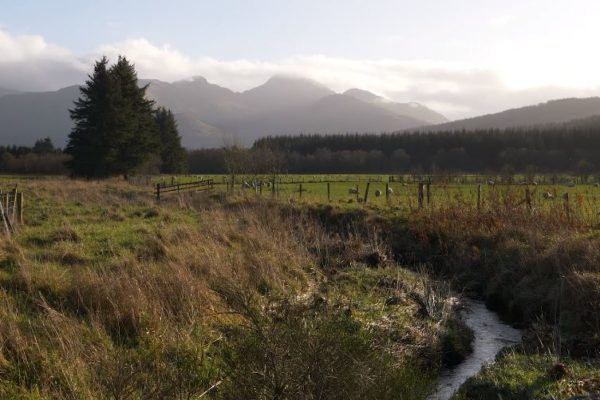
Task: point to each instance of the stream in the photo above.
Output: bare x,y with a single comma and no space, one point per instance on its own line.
491,336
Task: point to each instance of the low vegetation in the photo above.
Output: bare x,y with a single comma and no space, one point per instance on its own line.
105,294
522,376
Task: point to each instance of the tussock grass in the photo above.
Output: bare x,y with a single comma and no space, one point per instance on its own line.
105,294
521,376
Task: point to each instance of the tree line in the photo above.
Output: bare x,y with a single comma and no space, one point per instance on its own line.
565,148
41,158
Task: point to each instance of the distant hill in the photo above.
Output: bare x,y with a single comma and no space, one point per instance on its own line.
412,109
333,114
26,117
5,91
212,116
551,112
281,92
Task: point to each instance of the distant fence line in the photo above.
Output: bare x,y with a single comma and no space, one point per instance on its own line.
411,192
162,188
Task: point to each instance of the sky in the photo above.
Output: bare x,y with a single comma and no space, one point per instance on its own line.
461,57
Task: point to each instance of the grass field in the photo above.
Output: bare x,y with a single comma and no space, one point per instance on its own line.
583,199
105,293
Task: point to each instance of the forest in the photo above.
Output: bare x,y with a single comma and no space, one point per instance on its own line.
572,148
566,148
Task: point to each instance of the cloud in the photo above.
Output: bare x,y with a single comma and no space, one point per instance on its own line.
28,62
502,20
457,89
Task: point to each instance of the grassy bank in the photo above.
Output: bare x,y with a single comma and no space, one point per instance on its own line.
520,376
105,294
538,269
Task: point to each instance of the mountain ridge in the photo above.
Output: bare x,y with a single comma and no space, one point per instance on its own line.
210,115
554,111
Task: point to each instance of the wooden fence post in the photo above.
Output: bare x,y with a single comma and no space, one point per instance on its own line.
567,208
328,192
300,190
357,193
158,192
429,193
420,195
4,221
367,192
528,198
20,207
14,205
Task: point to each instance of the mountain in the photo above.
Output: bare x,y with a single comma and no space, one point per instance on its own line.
209,115
212,116
26,117
336,113
5,91
412,109
281,92
551,112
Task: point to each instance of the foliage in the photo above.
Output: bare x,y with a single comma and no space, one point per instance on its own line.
173,156
520,376
569,148
116,128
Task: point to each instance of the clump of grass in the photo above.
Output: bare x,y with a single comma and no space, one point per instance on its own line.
298,351
522,376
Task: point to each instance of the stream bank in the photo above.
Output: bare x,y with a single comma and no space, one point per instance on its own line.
490,336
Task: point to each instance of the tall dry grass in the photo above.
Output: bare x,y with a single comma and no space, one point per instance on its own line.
105,294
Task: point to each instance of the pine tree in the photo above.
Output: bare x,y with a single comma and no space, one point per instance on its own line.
172,154
136,137
115,131
92,116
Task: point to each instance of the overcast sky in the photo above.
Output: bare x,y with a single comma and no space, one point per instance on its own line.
461,57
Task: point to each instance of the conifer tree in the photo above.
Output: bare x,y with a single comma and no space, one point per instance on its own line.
115,131
88,141
172,154
136,137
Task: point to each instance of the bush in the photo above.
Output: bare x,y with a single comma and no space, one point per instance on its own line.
291,351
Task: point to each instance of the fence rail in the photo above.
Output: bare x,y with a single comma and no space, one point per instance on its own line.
205,184
11,210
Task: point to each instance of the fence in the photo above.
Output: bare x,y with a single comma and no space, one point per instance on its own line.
11,210
162,188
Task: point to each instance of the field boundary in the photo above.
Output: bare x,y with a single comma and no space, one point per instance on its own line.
161,188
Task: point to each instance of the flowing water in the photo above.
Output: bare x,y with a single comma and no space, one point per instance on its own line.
491,336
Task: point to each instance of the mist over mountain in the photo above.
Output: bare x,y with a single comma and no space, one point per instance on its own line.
5,91
212,116
551,112
209,115
26,117
412,109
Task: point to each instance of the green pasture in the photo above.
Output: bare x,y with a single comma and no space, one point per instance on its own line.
562,196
